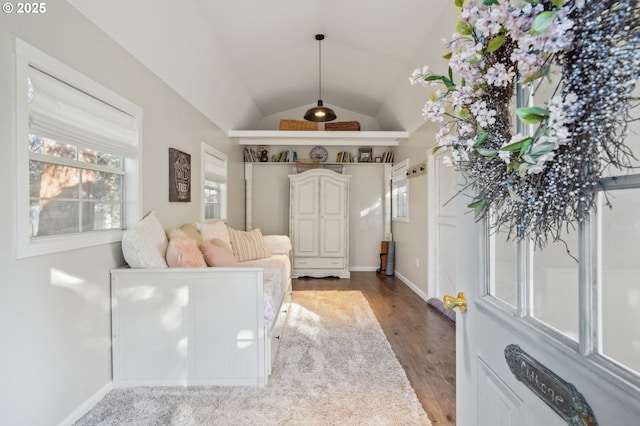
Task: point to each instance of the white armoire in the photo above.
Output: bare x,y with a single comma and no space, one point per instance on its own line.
319,223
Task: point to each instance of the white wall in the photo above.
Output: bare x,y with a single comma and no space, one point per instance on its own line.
411,238
54,309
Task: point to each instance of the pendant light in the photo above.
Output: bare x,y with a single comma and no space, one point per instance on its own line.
320,113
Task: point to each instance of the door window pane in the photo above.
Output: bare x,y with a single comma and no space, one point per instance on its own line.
555,285
504,270
620,277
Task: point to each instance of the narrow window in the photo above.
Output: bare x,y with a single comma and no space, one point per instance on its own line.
214,183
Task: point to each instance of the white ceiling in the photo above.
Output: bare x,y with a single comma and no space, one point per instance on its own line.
243,61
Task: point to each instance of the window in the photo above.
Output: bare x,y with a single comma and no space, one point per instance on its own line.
214,183
78,152
400,192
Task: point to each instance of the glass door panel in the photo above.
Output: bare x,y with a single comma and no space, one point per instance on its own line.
620,277
503,271
555,285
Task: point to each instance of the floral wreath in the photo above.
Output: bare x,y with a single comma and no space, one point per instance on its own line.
537,184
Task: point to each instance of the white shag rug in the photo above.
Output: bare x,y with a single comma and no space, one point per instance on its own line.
334,367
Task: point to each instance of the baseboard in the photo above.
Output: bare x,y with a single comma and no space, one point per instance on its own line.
87,405
412,286
363,268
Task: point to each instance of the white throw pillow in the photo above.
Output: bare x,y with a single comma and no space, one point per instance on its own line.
145,246
215,229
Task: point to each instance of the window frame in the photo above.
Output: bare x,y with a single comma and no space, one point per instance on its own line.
209,150
25,246
399,179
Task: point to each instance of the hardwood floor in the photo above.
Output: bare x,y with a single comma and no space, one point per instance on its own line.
422,338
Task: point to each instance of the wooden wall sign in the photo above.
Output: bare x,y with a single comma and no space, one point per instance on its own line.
179,176
562,397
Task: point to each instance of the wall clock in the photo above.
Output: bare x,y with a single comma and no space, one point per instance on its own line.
319,153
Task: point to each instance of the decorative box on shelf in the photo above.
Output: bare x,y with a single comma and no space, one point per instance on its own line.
304,164
286,124
342,126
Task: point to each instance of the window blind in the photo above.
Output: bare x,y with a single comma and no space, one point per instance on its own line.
215,168
64,113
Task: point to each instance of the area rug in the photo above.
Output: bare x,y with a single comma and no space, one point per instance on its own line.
334,367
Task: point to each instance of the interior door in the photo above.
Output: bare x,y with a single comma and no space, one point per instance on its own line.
442,226
559,369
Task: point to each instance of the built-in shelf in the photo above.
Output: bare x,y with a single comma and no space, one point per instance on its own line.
330,138
326,163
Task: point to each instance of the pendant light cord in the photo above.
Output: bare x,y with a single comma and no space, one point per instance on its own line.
320,69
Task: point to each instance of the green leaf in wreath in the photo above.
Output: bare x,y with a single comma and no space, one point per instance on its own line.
532,115
487,152
448,56
483,137
542,22
522,169
490,2
464,28
541,149
513,194
515,146
541,72
527,143
512,166
464,114
459,3
436,149
558,3
478,206
496,43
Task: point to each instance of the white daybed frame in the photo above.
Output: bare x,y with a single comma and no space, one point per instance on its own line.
192,326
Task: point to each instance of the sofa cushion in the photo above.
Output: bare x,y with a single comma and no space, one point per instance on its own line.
217,253
183,251
191,230
215,229
145,245
277,244
248,245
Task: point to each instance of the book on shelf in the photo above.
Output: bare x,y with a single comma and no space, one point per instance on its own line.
387,157
287,156
344,157
250,155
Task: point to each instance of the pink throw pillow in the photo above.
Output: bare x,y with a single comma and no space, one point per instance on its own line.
217,253
183,252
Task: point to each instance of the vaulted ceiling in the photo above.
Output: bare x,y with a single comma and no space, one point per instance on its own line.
242,62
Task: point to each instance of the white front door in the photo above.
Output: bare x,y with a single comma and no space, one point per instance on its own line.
577,324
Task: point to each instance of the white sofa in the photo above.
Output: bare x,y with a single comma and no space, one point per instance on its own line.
202,325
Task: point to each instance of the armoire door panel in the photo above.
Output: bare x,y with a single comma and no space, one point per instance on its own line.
307,198
332,196
332,240
306,237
